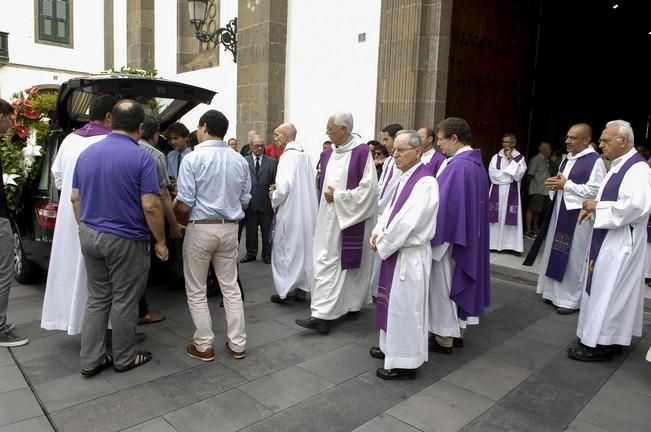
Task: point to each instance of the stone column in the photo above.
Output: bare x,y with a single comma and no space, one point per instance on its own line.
413,62
108,35
140,34
261,45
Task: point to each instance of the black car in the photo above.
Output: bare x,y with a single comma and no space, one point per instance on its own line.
36,212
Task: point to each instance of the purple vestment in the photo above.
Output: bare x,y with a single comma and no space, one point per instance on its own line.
512,201
352,238
435,163
92,129
610,192
463,222
387,178
567,219
389,265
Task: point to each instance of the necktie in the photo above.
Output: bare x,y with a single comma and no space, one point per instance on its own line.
178,163
257,166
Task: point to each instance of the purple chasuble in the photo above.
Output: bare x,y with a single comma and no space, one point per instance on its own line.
512,201
610,193
463,221
389,265
387,178
92,129
567,219
352,238
435,163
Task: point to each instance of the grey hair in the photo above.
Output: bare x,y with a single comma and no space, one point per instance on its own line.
288,129
414,138
624,129
343,119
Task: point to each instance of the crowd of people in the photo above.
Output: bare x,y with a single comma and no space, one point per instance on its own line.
406,223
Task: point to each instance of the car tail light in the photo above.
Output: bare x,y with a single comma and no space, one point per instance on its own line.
46,212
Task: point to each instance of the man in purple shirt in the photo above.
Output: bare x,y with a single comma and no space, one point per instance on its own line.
115,195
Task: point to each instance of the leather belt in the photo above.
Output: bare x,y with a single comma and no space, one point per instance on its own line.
213,221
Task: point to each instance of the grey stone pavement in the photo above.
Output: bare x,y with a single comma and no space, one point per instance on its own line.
512,374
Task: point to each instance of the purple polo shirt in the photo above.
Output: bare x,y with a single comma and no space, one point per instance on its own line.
112,175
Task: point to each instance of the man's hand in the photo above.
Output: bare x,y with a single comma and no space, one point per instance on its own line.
161,251
508,152
372,242
556,183
329,194
272,188
176,231
588,209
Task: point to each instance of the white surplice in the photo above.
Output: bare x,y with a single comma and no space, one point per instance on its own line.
390,177
410,231
502,236
66,289
567,294
338,291
295,204
612,312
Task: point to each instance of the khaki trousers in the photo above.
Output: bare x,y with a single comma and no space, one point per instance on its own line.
217,244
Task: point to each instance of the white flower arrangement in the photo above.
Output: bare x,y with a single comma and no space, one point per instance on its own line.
30,152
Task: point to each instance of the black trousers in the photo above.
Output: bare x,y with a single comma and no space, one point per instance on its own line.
255,219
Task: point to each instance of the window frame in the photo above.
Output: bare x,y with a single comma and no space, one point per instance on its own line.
39,22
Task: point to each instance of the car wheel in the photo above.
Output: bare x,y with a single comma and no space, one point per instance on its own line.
22,266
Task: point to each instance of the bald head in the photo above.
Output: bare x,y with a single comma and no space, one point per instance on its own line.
578,138
283,134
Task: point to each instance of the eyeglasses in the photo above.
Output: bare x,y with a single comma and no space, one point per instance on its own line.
403,149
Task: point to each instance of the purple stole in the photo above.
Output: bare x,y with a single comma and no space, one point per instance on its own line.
352,238
435,163
389,265
512,202
391,168
92,129
648,230
610,193
567,219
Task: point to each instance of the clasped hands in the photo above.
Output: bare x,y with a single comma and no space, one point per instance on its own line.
587,210
555,183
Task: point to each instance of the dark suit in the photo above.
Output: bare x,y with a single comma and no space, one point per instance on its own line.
259,213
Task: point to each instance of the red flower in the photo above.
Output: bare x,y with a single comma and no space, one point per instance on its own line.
30,113
32,90
17,103
22,131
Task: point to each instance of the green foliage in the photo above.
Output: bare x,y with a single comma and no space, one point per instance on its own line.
125,70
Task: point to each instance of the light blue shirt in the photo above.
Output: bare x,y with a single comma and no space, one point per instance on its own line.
214,181
173,161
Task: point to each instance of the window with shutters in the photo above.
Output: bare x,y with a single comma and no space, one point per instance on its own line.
54,22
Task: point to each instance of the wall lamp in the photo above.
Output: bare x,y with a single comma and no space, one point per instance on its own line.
226,36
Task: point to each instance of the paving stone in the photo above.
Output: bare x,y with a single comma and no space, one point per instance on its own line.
46,346
47,368
71,390
442,407
502,418
551,332
265,332
163,363
342,364
156,425
229,411
581,378
385,423
525,352
606,410
18,405
11,378
37,424
340,409
114,412
506,293
583,426
288,387
510,319
5,357
488,377
32,330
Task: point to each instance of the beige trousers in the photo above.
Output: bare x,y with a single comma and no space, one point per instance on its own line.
216,244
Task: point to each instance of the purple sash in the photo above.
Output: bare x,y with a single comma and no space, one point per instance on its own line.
648,230
389,265
435,163
610,193
387,178
352,238
512,205
92,129
567,219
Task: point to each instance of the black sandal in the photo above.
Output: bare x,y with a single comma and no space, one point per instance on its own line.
140,359
108,362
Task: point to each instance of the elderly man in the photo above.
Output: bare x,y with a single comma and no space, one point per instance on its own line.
294,200
348,205
431,158
460,279
246,148
116,211
66,289
214,190
505,171
262,170
613,302
7,336
579,177
402,238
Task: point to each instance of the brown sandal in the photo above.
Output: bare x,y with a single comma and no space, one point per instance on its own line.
108,362
140,359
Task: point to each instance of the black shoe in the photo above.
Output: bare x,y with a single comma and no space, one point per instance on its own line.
457,342
320,325
247,259
377,353
549,302
589,354
566,311
276,299
300,296
396,374
267,260
434,346
352,316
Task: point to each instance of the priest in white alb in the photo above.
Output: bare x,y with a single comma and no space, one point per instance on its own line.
402,239
346,217
612,306
294,200
505,171
67,284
